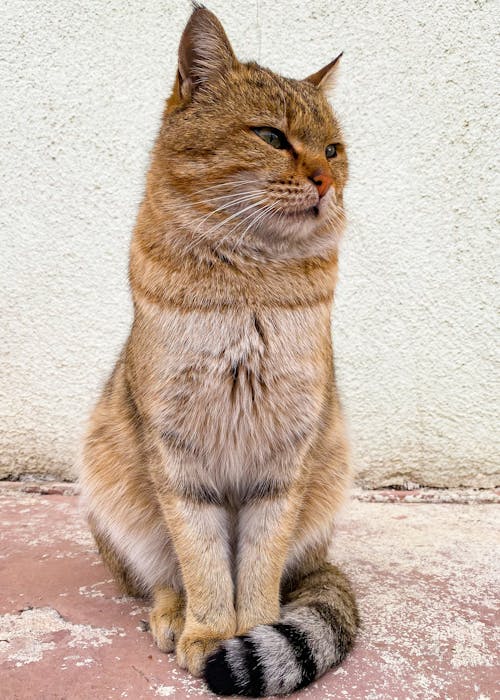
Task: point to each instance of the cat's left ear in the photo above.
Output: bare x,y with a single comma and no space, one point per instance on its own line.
204,52
326,77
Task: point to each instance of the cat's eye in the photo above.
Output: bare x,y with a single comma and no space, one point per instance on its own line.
331,151
273,137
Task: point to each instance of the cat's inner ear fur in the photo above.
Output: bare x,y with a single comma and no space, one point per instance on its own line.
204,52
326,77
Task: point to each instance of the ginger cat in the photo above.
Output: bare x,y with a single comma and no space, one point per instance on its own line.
215,458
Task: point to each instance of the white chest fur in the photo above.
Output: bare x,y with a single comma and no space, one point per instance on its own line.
238,388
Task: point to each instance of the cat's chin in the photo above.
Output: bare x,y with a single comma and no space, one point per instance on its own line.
299,223
302,214
297,236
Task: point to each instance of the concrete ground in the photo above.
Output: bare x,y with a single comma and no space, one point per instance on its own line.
425,566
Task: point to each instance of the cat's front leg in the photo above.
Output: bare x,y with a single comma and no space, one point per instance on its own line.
199,532
167,616
265,526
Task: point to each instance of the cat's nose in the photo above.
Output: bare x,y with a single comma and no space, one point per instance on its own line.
323,181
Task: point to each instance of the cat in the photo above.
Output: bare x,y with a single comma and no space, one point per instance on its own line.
216,456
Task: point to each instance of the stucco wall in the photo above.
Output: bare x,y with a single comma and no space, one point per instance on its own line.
83,85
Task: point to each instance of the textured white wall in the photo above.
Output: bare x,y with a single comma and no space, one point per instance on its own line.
83,85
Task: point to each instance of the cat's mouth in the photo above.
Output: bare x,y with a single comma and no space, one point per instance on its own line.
303,213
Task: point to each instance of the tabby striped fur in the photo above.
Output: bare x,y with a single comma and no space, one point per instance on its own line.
316,630
216,458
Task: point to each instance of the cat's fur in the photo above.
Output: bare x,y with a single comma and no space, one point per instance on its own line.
216,458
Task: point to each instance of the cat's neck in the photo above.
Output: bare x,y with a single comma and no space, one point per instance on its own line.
203,277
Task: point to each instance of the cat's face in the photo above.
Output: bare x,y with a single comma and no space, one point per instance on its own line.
253,162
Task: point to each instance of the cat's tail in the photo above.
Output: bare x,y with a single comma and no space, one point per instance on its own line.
316,631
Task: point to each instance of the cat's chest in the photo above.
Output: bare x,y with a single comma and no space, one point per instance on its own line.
240,383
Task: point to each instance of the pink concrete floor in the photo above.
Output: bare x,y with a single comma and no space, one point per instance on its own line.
426,574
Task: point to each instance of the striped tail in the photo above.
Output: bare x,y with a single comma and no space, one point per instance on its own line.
316,631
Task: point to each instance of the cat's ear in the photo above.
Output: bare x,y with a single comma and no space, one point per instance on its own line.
204,52
326,77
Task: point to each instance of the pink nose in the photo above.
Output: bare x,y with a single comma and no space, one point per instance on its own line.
323,181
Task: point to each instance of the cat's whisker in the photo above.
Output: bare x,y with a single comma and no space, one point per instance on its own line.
232,196
208,233
257,220
261,216
281,215
233,216
258,217
229,194
223,207
254,216
336,217
234,183
233,199
240,223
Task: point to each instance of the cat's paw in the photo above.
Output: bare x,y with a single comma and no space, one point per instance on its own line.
193,650
166,623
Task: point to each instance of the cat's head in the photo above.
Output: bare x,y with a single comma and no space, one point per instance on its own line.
249,161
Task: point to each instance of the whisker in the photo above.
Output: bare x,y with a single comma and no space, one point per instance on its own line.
258,218
231,197
255,217
233,216
235,183
211,230
240,223
224,207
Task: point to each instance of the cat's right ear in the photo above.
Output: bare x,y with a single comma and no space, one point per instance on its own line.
204,53
326,77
